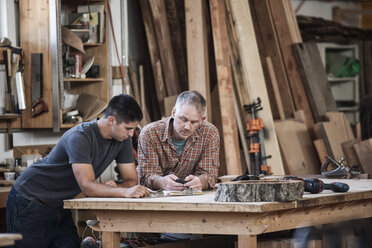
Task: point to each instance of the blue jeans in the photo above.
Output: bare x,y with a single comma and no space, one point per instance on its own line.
39,225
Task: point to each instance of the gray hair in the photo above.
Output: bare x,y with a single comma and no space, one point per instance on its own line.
191,97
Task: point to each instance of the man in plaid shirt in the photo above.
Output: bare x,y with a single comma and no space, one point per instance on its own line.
183,147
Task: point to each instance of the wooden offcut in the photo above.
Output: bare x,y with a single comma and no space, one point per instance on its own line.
260,190
364,153
252,70
225,87
334,132
297,147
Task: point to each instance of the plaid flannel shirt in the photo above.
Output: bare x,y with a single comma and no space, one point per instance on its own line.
157,156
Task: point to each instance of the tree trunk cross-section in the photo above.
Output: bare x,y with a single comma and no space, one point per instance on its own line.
259,191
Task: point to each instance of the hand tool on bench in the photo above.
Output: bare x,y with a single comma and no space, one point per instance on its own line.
315,185
38,104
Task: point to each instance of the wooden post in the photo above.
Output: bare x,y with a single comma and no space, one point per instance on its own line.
197,49
225,87
252,69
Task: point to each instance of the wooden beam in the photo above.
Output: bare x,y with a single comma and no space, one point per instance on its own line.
197,49
286,38
252,69
165,47
268,45
154,54
225,87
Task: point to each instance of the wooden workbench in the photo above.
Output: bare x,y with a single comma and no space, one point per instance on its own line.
201,214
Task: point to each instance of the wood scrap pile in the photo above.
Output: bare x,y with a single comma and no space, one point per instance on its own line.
237,51
321,30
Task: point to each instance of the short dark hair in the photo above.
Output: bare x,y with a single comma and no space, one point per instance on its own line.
124,108
192,97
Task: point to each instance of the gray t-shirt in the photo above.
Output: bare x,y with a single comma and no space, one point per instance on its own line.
51,179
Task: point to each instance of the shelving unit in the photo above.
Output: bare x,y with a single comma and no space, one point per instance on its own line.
344,89
46,38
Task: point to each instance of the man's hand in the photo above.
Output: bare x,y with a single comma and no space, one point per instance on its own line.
111,183
136,191
193,182
168,183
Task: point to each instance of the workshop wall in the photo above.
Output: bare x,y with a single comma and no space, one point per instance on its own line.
9,27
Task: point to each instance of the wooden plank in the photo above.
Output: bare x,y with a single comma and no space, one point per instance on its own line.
197,49
314,77
239,79
275,85
165,47
321,149
297,148
252,69
154,54
321,76
350,154
225,87
335,132
176,21
363,151
282,27
268,45
111,239
7,239
35,39
247,241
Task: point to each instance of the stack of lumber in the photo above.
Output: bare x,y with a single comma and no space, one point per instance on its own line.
321,30
235,52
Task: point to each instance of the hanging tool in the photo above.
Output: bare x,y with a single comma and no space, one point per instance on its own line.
38,104
315,185
256,141
9,98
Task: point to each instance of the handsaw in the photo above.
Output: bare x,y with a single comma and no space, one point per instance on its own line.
9,98
38,104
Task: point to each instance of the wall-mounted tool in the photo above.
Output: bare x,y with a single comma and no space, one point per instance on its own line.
38,104
9,98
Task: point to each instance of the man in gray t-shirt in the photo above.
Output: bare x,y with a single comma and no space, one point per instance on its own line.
35,204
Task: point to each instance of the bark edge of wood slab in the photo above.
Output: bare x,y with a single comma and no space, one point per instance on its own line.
259,191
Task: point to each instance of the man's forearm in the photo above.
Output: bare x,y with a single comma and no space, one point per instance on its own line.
129,183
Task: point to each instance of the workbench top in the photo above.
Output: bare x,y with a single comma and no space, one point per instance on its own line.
359,189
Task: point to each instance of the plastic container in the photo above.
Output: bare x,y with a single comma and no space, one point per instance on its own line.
36,154
27,158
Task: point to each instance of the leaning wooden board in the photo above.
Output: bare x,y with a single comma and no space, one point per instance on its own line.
297,148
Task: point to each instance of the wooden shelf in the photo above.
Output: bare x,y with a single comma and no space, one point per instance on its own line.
9,116
92,44
85,80
341,79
